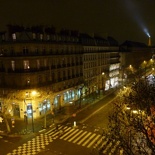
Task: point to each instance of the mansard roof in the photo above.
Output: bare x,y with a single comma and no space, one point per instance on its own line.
42,33
133,44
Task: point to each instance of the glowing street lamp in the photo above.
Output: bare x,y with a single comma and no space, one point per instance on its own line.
103,74
45,113
33,94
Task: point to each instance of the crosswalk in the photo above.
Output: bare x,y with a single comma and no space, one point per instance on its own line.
86,139
32,146
74,135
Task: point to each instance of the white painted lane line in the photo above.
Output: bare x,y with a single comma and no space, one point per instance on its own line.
88,139
75,136
83,139
96,111
79,137
67,133
93,141
71,134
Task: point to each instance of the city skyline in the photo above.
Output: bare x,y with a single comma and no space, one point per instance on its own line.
123,20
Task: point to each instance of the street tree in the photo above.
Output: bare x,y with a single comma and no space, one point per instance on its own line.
4,112
133,118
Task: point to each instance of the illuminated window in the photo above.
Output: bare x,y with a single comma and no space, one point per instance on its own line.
14,36
13,65
28,81
38,64
41,36
48,37
26,64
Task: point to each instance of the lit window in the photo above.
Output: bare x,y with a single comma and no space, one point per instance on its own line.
38,64
13,65
28,81
41,36
14,36
26,64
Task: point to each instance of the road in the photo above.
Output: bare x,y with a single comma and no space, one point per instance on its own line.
76,138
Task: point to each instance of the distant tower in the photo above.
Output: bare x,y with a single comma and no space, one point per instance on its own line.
149,42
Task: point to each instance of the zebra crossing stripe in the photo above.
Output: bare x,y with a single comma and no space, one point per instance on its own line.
55,133
79,137
104,143
84,138
68,128
88,139
49,131
93,141
107,147
67,133
114,148
100,141
71,134
75,136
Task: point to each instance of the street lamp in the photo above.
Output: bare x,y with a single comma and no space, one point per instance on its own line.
102,81
45,112
145,63
33,95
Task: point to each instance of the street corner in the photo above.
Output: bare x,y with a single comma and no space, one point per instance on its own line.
11,135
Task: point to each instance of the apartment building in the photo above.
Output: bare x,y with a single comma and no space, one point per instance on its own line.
135,56
101,64
43,70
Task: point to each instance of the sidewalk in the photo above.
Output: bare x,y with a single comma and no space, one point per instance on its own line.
21,128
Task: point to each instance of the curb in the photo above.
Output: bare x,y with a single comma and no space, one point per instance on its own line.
10,135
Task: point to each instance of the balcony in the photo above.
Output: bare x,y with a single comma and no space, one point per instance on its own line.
31,70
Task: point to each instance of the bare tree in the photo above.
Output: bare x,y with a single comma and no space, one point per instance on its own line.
4,112
133,118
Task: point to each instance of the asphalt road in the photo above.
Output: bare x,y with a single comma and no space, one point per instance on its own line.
93,119
95,115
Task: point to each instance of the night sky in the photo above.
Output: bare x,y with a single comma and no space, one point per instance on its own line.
121,19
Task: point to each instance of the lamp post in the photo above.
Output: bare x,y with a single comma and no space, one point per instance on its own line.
33,95
32,120
102,81
145,63
45,113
